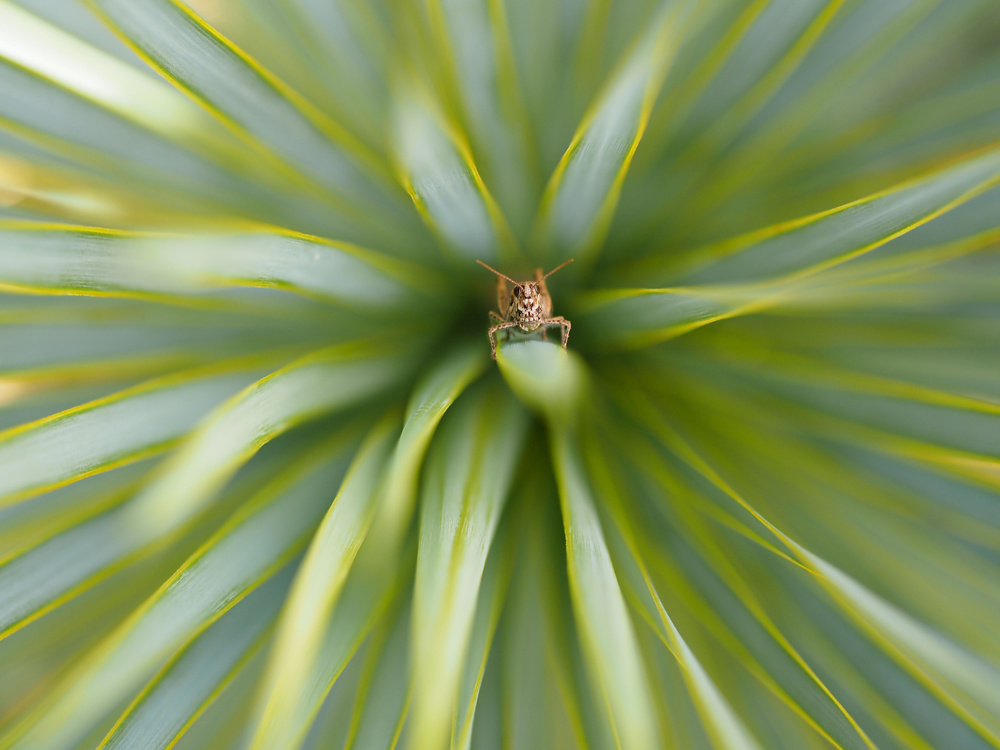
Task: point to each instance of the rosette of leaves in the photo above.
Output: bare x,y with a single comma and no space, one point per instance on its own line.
262,487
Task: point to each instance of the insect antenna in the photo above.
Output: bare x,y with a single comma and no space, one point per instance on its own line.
561,265
500,274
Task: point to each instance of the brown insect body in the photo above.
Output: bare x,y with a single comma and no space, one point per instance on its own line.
527,306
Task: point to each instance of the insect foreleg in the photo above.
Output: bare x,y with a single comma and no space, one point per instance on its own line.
493,330
560,321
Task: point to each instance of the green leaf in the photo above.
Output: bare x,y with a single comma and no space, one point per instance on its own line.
248,550
475,58
188,481
827,239
63,562
438,172
718,717
71,558
908,711
922,649
333,723
492,598
582,194
312,643
536,700
116,430
257,106
468,476
609,642
841,63
434,393
381,703
545,377
788,264
36,185
68,346
192,679
911,419
106,105
633,318
24,525
345,53
971,685
781,531
720,721
112,146
769,50
38,655
223,722
310,387
78,260
692,563
290,704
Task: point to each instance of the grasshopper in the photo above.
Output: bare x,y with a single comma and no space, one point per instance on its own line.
527,306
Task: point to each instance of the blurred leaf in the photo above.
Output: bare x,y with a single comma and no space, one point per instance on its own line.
469,473
434,393
771,46
333,723
27,524
971,686
696,565
640,317
304,624
73,557
222,723
898,635
842,60
832,237
544,377
347,50
44,355
720,722
612,653
476,65
779,258
381,703
192,680
250,549
109,432
536,699
369,520
258,107
79,260
492,598
437,170
582,194
33,185
235,431
105,104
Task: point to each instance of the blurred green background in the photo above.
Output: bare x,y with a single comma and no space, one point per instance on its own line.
262,488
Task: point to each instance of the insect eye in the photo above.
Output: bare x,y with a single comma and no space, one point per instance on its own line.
517,291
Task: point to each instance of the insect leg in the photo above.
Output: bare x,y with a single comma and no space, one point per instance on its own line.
565,324
493,330
494,316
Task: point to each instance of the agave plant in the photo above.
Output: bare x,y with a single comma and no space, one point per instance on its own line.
262,487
